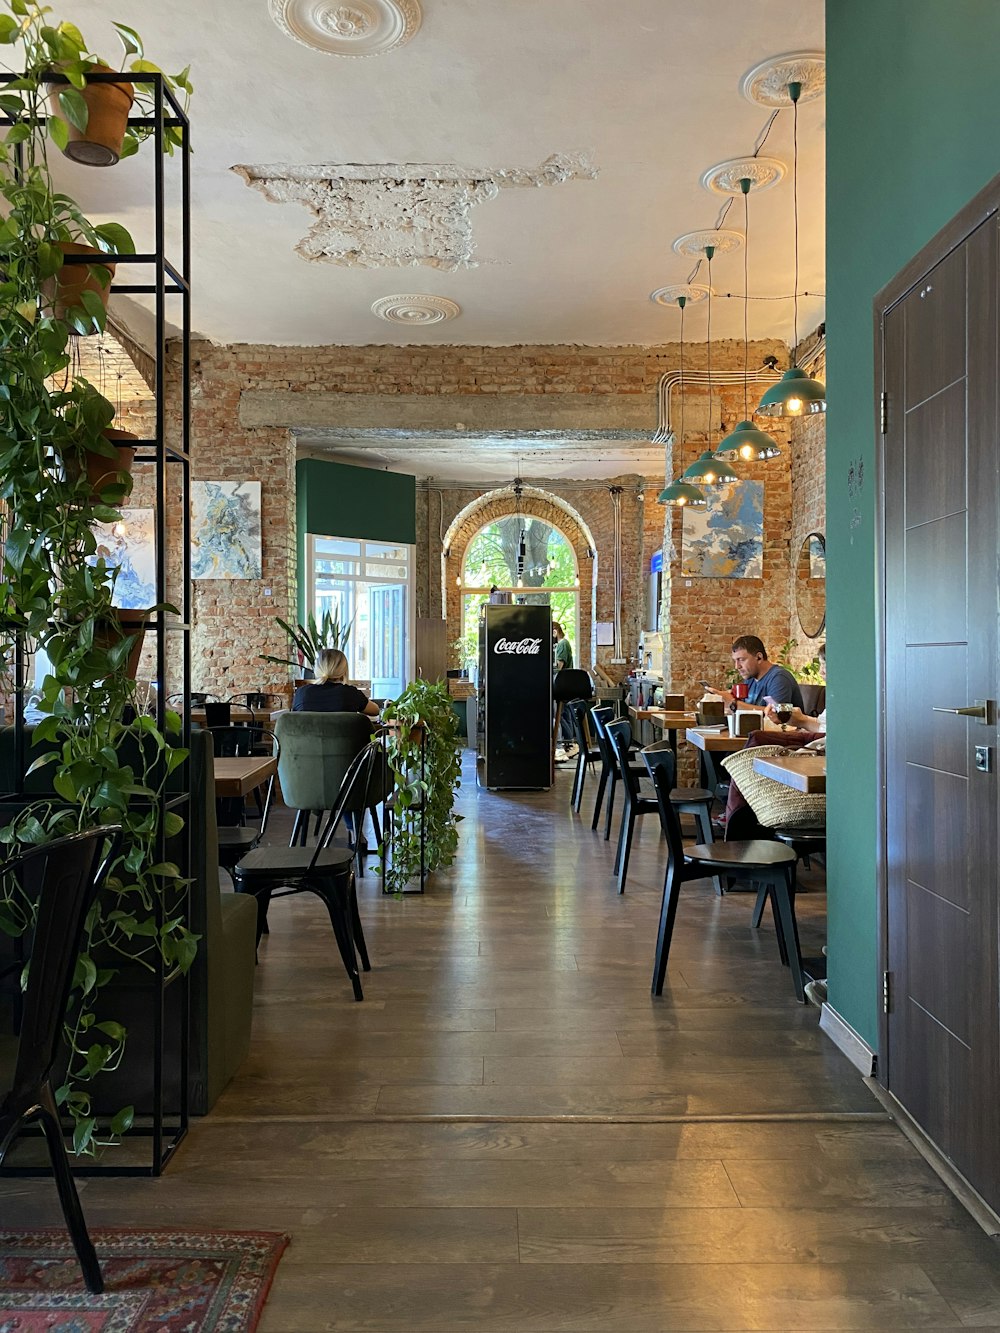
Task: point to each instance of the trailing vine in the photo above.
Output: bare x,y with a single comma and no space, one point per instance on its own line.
95,757
423,713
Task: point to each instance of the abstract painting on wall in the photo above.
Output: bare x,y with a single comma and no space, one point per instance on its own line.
225,530
725,540
129,546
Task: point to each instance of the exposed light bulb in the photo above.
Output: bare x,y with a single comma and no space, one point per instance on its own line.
793,407
576,581
747,452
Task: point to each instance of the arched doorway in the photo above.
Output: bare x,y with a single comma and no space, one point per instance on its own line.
531,560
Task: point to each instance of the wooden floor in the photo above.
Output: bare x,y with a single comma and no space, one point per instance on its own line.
510,1134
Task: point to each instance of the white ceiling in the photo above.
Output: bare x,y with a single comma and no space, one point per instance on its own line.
648,89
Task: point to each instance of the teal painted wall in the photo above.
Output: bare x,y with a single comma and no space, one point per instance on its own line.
336,500
913,102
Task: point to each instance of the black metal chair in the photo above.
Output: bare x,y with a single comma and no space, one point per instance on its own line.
63,877
567,685
685,800
768,864
324,870
693,801
587,750
259,699
608,778
236,840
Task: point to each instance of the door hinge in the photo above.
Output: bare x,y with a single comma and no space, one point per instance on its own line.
886,992
884,413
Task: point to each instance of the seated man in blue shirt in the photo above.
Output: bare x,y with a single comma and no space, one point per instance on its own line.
768,682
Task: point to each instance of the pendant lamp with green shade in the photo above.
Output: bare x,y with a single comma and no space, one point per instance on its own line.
796,394
680,494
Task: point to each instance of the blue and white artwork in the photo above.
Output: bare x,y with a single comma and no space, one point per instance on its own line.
129,546
725,540
225,530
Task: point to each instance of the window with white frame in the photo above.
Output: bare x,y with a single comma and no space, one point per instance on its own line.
366,584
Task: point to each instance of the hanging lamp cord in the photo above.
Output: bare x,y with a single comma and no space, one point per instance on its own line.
709,251
745,187
794,90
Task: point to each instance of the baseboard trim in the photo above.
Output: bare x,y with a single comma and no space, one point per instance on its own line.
967,1195
844,1037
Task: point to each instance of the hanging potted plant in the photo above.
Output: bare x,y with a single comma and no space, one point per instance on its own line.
94,755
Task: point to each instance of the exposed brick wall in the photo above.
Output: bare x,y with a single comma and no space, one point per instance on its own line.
235,621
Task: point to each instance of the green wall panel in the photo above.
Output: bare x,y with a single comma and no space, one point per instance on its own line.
336,500
913,101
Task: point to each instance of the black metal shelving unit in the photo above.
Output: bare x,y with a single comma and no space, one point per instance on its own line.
164,1124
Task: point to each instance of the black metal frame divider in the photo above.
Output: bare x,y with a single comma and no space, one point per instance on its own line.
770,865
395,814
166,1127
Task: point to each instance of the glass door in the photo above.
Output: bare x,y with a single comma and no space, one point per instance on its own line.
387,614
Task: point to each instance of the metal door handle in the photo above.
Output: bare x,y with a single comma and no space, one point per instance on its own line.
983,709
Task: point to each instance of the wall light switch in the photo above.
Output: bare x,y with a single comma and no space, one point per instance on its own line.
267,592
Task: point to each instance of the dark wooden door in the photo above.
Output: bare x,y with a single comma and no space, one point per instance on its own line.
940,375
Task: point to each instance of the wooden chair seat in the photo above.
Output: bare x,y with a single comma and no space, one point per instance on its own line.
691,795
736,856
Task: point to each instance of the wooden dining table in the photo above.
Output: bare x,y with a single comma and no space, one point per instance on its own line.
712,743
667,721
803,771
239,775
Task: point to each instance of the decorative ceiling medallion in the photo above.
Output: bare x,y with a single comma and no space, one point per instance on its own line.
417,310
398,215
694,242
761,172
767,83
695,293
361,28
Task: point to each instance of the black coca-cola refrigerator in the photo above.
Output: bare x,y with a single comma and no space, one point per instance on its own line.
515,683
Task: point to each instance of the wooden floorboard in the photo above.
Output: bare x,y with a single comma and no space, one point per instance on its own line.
510,1133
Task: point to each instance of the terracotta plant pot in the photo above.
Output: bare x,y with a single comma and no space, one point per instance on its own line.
110,632
65,291
104,471
108,105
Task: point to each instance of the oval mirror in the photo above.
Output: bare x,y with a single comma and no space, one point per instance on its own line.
810,585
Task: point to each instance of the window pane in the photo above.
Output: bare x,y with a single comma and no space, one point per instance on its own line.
379,569
337,546
518,549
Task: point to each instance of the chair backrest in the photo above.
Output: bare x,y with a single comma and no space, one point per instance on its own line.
316,752
63,877
571,684
620,736
352,796
578,711
258,699
663,771
600,718
813,699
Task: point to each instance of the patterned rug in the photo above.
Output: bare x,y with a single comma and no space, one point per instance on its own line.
170,1281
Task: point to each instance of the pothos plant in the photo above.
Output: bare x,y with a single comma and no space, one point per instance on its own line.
422,716
94,757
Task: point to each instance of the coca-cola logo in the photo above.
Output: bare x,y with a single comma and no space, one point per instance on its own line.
518,647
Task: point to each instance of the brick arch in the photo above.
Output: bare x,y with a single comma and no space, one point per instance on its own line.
534,503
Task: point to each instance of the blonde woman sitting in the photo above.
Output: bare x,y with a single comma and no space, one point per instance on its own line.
330,692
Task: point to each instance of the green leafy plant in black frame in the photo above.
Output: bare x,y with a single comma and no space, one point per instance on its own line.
422,717
95,757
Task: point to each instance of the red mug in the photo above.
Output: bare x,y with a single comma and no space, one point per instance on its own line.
741,690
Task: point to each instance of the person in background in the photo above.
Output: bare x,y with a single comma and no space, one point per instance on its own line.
767,680
562,660
330,692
